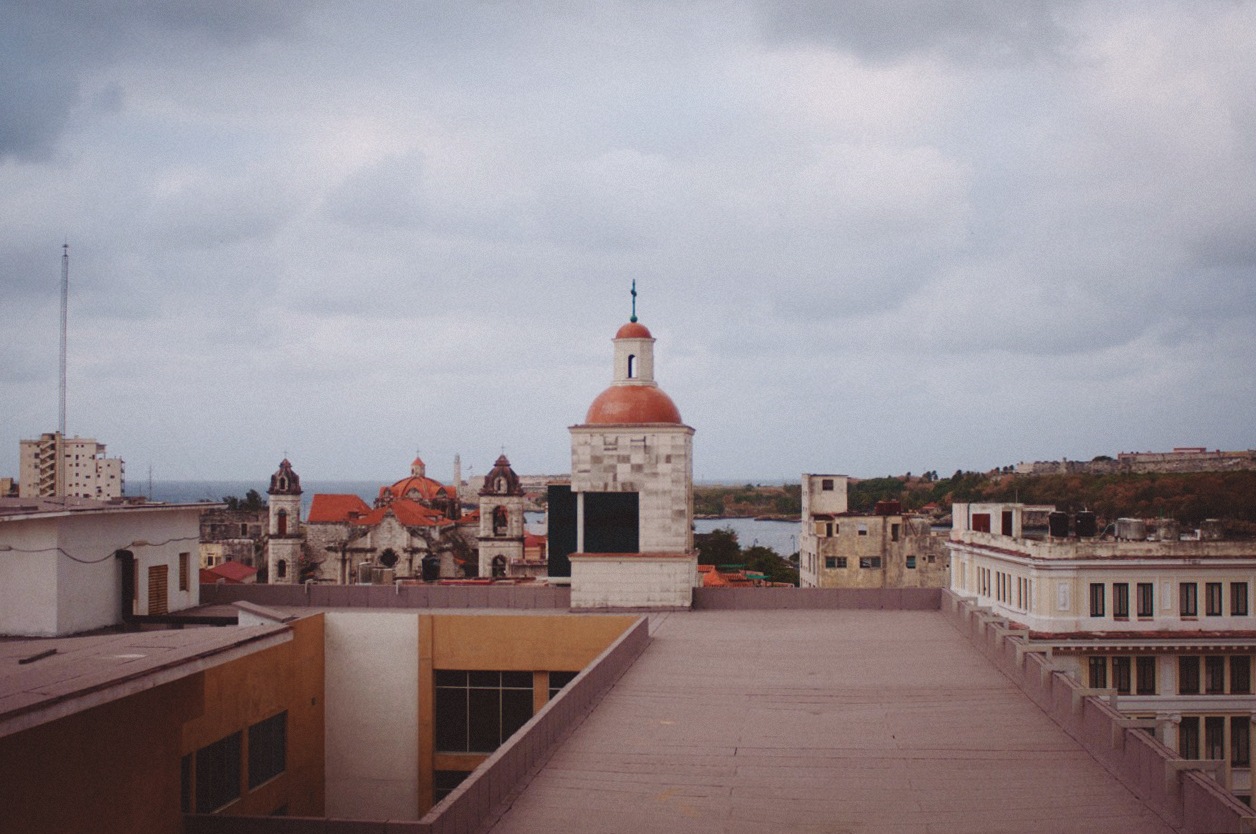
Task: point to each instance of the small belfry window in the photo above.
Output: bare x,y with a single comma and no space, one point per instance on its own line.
632,366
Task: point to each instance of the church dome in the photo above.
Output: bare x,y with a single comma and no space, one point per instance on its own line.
501,480
633,404
634,330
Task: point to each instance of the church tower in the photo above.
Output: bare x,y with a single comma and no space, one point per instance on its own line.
626,526
284,542
501,520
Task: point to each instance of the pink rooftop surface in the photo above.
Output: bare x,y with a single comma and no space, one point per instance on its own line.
820,721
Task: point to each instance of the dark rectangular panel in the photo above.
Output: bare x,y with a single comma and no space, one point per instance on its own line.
561,511
611,522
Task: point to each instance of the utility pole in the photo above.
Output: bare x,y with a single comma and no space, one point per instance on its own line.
65,306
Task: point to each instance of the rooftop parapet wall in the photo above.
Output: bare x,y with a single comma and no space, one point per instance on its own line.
1059,549
1175,788
484,595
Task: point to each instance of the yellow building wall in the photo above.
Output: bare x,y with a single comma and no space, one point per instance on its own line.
113,768
253,688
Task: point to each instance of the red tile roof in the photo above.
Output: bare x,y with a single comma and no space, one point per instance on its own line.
336,508
234,572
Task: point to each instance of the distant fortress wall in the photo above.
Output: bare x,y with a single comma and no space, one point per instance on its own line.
1190,459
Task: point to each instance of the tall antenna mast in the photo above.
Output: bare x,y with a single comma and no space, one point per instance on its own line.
65,305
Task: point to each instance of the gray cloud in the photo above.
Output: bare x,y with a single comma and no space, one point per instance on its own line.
857,233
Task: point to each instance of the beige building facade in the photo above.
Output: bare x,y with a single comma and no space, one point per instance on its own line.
55,466
888,549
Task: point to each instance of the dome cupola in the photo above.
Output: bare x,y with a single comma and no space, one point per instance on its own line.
284,481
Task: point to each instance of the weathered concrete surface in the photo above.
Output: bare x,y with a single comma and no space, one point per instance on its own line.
833,721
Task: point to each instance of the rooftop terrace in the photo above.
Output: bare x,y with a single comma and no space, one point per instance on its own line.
838,720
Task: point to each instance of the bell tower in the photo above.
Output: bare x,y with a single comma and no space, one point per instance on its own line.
501,520
284,539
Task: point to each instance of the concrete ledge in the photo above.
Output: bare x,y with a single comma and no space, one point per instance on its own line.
483,795
1169,785
391,596
888,599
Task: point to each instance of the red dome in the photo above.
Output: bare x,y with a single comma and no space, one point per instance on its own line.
633,404
634,330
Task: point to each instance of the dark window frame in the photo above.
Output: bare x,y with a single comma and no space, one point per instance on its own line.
1121,668
1212,599
1188,599
1238,599
1146,599
268,749
218,775
1214,674
1145,675
1188,674
1120,600
1098,671
1098,594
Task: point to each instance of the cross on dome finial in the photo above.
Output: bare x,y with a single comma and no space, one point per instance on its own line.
634,300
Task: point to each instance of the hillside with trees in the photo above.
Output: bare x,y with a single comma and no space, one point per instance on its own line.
1188,497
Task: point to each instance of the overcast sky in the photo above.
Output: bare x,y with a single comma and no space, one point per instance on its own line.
869,237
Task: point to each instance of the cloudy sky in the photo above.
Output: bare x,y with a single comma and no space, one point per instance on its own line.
870,237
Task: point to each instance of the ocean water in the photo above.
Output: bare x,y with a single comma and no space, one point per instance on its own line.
190,492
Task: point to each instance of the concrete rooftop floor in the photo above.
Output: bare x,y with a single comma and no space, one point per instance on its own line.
820,721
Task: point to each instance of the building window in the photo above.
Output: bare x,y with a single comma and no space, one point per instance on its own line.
268,749
281,569
1214,737
1146,599
218,774
1121,600
475,711
632,366
557,680
1240,674
444,782
1189,607
863,529
1098,672
1096,599
1240,741
185,569
911,562
1188,737
1121,674
841,561
1214,675
830,562
1238,599
1146,682
1212,599
281,523
1188,674
894,532
829,529
869,561
826,484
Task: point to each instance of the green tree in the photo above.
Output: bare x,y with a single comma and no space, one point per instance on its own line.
252,500
719,547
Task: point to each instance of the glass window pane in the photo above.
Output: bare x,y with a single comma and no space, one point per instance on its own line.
450,717
516,710
517,680
484,720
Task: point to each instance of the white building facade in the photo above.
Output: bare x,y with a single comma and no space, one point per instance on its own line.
1166,626
62,563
